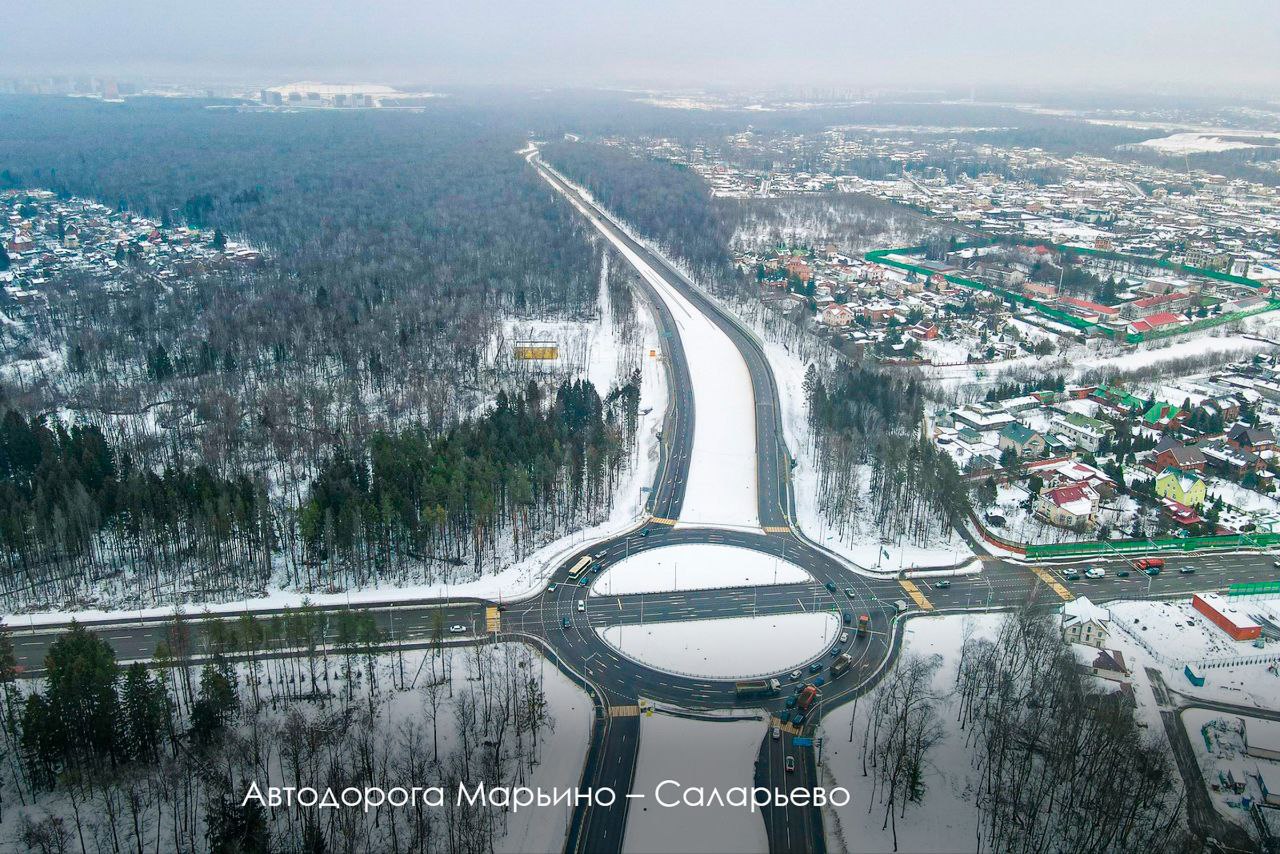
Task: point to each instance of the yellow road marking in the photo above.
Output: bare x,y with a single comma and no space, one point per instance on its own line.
916,595
787,727
777,529
1053,584
492,619
624,711
662,521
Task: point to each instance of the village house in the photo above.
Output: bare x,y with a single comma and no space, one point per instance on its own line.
1171,453
1086,432
1074,506
1253,439
1021,439
836,314
1085,623
1186,488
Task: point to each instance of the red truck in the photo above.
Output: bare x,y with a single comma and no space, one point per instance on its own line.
1149,563
806,697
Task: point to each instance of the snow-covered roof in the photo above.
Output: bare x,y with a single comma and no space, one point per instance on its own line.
1081,610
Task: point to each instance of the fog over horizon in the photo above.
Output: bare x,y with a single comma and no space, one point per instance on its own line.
1229,48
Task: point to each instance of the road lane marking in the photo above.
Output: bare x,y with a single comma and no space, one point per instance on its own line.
916,595
1053,584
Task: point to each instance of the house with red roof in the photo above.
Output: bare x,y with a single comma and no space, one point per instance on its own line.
1068,506
1159,320
1086,309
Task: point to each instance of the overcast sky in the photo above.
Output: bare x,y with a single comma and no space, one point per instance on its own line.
1228,46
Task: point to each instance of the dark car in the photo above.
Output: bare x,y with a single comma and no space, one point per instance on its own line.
1124,573
564,622
1187,570
791,702
848,617
1153,571
942,585
819,682
831,586
798,719
815,667
784,717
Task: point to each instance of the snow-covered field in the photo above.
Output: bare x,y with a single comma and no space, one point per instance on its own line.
946,817
711,754
728,648
695,566
1193,143
721,487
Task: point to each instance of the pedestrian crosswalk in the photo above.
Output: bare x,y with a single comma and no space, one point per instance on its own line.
1053,584
777,529
916,596
492,619
624,711
663,521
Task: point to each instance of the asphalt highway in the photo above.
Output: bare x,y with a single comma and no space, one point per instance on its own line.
571,636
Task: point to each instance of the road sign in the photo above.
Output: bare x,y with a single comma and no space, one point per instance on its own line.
802,741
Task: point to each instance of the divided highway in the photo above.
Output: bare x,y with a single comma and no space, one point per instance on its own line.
570,636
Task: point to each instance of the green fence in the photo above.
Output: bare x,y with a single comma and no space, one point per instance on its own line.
1163,544
879,256
1254,588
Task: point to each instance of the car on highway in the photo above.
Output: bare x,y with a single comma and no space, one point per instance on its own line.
1095,572
1070,575
844,637
831,586
1187,570
1276,563
458,629
941,585
784,717
815,667
564,622
1122,573
819,682
796,674
848,591
848,618
1148,562
900,605
582,582
797,719
582,605
1153,571
791,702
790,764
776,732
551,588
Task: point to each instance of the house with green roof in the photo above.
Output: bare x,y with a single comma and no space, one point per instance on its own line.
1163,416
1020,438
1086,432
